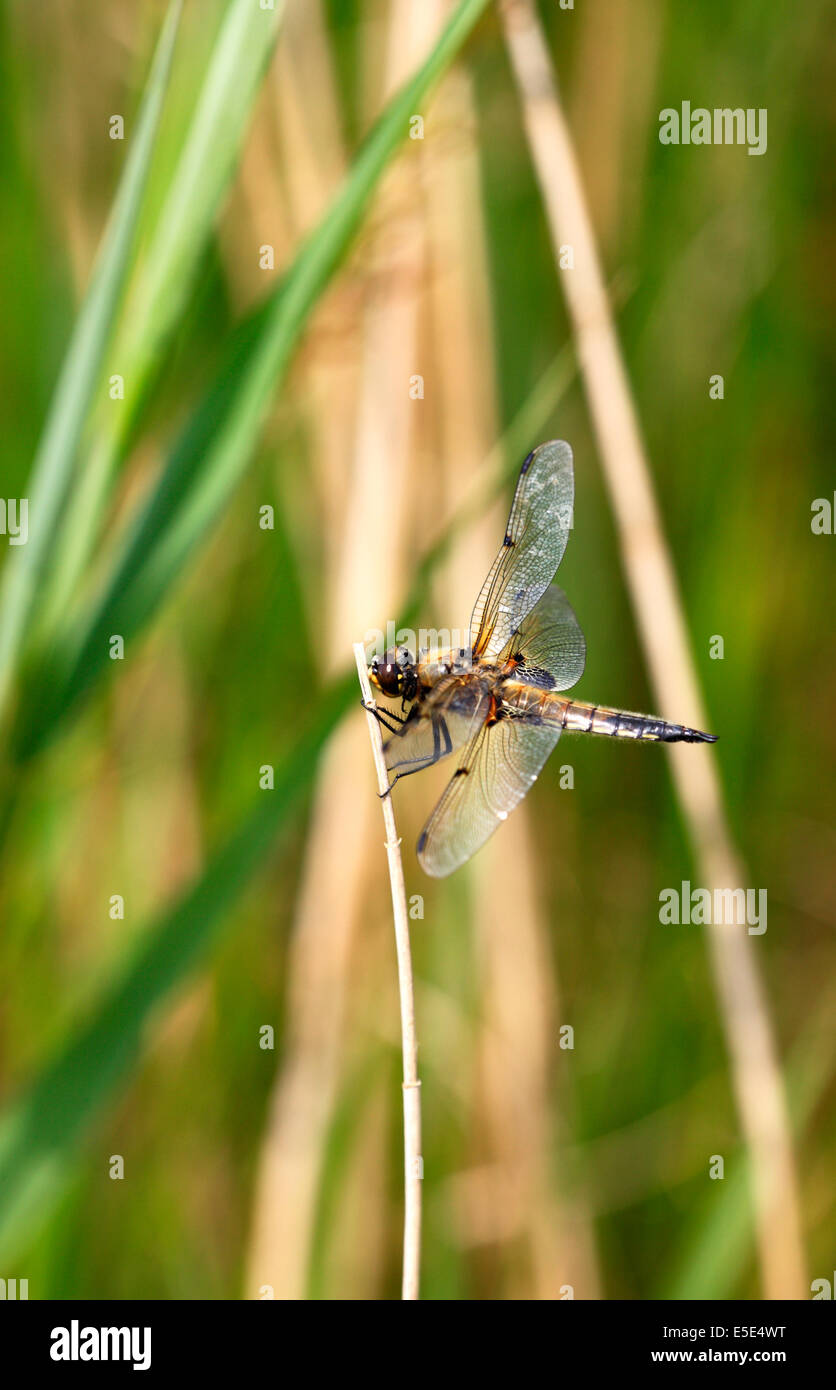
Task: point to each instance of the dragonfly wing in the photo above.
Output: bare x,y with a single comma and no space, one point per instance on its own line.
497,767
549,644
533,546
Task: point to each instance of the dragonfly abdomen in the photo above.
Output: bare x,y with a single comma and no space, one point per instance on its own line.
575,716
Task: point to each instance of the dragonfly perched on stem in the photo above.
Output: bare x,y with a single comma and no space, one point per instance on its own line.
500,700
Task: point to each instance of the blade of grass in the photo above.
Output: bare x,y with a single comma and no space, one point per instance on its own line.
166,276
80,373
40,1131
217,445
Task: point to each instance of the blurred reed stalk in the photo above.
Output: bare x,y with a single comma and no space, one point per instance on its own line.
413,1174
652,583
301,1104
361,439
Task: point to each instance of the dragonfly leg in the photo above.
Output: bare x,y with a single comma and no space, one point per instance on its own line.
391,722
428,762
442,745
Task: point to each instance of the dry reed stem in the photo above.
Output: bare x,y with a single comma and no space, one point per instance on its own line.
413,1171
655,598
332,878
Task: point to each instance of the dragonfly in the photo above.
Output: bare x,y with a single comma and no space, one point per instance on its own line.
500,702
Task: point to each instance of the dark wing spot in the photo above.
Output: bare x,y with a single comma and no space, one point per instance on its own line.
536,675
527,464
508,541
461,772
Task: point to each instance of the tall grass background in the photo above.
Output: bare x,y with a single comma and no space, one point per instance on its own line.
248,1167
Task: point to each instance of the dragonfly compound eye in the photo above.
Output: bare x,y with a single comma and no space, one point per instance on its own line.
387,675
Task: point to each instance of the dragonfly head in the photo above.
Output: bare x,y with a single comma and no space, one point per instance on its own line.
394,674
